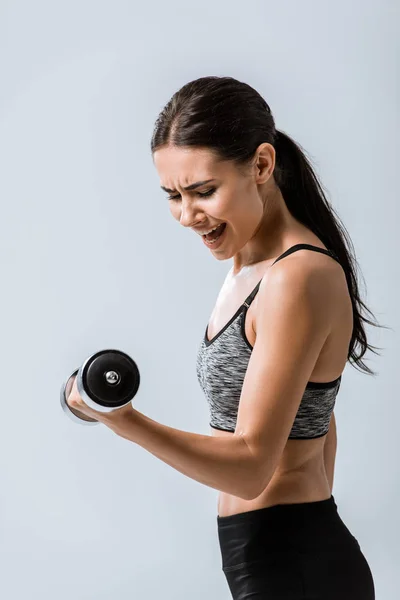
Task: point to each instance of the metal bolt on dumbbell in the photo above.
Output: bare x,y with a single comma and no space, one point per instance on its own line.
106,381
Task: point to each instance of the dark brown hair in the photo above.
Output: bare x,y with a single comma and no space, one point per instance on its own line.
231,119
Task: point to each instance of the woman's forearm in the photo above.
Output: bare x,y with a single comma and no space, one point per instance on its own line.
223,463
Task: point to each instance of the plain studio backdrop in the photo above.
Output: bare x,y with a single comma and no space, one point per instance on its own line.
91,259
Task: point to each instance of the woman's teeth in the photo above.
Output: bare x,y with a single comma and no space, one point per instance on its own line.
211,230
213,241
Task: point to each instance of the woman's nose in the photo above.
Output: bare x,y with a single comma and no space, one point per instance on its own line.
189,215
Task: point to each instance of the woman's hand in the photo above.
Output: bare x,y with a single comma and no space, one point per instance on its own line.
113,419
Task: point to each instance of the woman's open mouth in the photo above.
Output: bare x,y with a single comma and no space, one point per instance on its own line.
215,238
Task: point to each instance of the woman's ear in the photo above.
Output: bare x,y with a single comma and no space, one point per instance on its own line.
264,162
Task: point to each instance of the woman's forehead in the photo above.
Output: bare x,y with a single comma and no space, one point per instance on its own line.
185,167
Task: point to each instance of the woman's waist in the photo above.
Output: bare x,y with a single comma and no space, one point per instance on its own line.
293,488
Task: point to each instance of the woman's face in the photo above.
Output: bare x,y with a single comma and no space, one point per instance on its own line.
226,196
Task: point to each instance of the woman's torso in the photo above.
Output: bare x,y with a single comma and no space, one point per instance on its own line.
300,475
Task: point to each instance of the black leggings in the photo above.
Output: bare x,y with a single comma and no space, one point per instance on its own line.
298,551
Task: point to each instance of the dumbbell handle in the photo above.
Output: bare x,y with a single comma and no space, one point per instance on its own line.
75,415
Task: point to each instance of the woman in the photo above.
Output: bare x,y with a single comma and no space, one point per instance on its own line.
287,319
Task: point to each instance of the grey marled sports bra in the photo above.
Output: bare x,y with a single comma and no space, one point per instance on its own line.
221,367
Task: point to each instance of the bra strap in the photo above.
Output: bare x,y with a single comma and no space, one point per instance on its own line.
306,247
251,296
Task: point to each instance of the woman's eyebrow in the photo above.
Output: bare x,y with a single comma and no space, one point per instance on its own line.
190,187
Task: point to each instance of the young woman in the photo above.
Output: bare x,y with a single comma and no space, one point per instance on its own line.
286,321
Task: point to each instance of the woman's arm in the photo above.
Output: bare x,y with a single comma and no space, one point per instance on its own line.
226,464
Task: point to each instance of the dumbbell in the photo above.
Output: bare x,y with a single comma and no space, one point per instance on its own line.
106,381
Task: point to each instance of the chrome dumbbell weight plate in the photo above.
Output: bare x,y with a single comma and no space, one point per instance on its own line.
106,381
72,413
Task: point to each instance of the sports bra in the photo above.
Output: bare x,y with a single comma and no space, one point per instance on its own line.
221,367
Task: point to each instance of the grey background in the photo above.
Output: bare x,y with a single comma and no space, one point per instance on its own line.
91,258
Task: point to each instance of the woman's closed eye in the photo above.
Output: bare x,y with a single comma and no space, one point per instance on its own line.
201,194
